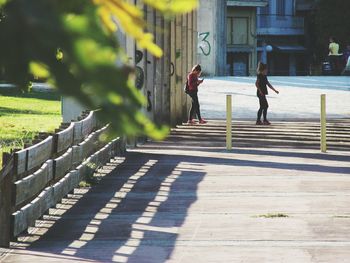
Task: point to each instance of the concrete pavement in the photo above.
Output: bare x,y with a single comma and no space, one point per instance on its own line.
274,198
299,97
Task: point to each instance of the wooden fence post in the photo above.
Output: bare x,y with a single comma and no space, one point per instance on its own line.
6,178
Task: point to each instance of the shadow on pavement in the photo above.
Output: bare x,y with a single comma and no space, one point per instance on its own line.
132,215
135,213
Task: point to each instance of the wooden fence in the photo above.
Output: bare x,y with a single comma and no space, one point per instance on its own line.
38,177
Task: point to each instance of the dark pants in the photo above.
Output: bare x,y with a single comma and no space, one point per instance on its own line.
194,107
263,106
335,61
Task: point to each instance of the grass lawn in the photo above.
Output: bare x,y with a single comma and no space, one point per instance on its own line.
22,116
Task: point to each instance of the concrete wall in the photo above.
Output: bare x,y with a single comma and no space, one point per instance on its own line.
211,24
183,45
71,109
164,77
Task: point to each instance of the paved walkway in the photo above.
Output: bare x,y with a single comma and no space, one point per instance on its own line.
299,97
188,200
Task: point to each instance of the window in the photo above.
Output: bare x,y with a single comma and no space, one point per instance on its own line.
237,30
240,30
229,31
280,7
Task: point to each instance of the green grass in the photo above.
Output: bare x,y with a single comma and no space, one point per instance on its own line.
22,116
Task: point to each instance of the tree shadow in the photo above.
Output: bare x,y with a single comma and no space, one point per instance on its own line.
134,214
134,211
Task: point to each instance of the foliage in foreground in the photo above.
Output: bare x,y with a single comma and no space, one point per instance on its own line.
73,44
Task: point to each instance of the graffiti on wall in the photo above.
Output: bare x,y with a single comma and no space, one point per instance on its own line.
204,44
140,74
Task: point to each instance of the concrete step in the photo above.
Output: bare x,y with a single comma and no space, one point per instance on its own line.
281,134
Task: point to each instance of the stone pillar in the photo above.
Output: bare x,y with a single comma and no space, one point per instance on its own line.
184,59
220,28
173,86
211,25
150,71
141,64
178,68
158,81
206,36
195,36
166,97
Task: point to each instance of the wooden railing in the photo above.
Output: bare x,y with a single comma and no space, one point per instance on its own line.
38,177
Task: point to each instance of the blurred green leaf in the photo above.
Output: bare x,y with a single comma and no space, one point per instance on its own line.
170,7
39,70
2,2
59,54
72,43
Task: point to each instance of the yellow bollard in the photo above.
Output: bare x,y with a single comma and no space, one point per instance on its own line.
323,124
229,122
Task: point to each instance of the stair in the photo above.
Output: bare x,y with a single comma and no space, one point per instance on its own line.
304,134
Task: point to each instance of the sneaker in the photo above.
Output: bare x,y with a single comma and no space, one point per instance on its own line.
202,121
258,122
266,122
191,122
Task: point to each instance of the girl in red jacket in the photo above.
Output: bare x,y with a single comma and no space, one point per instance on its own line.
193,83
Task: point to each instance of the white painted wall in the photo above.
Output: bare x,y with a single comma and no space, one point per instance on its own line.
71,109
211,24
207,36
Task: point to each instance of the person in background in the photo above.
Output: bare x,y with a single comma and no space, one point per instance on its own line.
334,55
346,57
193,83
261,85
346,54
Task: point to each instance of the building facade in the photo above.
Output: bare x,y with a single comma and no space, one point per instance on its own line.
241,37
279,26
250,26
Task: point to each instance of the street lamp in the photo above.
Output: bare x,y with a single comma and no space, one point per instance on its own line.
265,49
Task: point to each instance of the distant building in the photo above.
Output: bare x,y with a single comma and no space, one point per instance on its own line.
249,26
227,36
278,25
305,8
241,37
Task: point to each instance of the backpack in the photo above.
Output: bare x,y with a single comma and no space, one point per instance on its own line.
186,87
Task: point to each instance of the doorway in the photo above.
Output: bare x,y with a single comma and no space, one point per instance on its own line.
238,63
